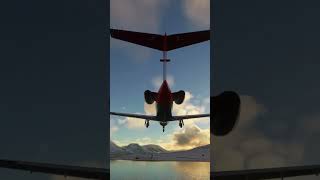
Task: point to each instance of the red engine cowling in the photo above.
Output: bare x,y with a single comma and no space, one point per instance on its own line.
178,97
150,96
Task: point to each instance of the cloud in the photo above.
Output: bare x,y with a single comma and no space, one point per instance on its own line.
131,123
247,147
113,126
189,137
192,136
113,129
198,12
157,81
136,15
249,111
188,107
143,141
135,123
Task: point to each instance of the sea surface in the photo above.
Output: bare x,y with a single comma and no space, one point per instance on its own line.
159,170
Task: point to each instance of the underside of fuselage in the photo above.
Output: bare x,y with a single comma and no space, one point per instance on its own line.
164,104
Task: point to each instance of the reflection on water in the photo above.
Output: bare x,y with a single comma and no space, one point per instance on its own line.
171,170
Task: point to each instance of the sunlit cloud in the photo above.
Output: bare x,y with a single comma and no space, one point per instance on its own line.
113,129
136,15
198,12
133,123
157,81
189,137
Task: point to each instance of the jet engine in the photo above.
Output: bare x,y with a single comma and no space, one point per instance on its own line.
225,111
178,97
149,96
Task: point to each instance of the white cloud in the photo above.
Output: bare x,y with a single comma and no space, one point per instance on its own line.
128,122
136,15
113,129
192,136
113,126
198,12
189,108
135,123
189,137
157,81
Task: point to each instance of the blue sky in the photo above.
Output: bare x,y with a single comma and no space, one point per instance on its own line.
135,69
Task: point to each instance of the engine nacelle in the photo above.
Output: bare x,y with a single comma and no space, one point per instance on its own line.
225,110
149,96
178,97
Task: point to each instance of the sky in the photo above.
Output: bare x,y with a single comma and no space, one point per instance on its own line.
268,52
53,79
134,69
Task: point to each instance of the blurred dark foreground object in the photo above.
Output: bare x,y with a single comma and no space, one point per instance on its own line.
224,112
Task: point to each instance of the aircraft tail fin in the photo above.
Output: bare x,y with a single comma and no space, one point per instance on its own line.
161,42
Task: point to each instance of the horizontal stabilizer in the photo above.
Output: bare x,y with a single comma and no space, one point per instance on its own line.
176,41
161,42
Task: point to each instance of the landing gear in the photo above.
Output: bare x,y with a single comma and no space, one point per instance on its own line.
146,123
181,123
163,124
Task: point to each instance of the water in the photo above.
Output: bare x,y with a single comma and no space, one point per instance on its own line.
160,170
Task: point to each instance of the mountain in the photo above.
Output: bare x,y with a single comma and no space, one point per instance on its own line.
115,148
153,152
134,148
151,148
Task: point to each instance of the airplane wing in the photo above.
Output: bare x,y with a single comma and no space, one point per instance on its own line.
175,118
268,173
159,42
140,116
64,170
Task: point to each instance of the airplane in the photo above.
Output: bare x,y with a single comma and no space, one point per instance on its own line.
224,109
164,98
